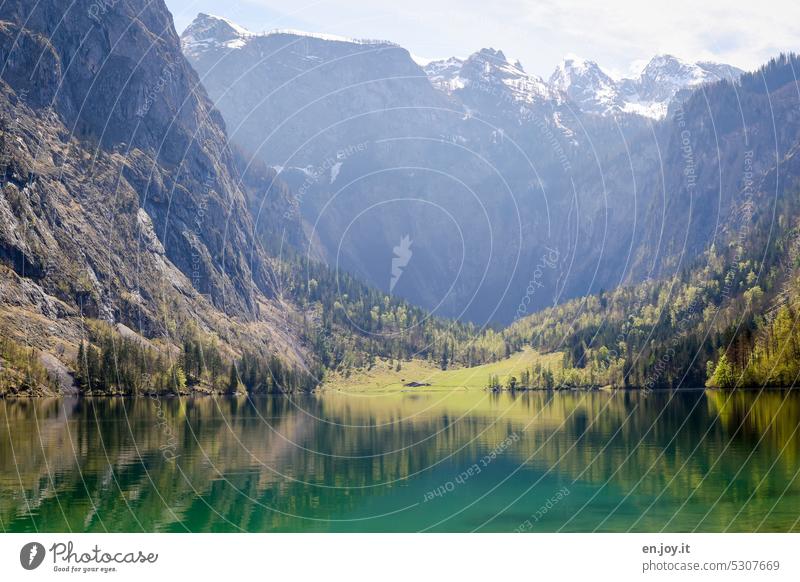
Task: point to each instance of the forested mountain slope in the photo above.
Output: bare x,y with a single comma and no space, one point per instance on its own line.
726,318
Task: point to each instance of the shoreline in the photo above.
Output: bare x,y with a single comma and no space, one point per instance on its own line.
429,390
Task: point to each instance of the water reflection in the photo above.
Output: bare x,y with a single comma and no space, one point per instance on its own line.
710,461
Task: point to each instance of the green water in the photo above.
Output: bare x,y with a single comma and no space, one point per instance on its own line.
461,461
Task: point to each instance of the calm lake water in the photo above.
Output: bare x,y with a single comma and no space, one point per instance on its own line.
457,461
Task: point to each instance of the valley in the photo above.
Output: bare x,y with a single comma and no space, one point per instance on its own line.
388,376
331,211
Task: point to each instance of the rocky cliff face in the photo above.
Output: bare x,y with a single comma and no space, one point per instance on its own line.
121,198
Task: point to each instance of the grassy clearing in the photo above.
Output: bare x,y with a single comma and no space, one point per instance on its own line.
383,377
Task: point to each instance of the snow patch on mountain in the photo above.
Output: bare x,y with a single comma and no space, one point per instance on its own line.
444,74
663,80
208,31
587,85
488,71
335,171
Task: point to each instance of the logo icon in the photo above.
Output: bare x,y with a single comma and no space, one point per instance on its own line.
402,255
31,555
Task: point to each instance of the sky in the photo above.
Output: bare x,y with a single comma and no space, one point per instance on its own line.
620,35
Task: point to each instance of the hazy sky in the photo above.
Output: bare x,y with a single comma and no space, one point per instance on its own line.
621,35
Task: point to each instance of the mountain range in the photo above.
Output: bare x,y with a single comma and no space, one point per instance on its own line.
662,81
665,80
273,204
378,147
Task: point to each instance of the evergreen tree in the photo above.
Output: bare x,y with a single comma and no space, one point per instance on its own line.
233,380
723,376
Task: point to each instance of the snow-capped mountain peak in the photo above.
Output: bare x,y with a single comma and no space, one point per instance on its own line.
667,78
207,30
444,74
663,80
488,74
489,71
587,85
664,75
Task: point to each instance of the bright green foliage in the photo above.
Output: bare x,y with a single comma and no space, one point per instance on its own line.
348,324
736,305
112,364
723,375
21,371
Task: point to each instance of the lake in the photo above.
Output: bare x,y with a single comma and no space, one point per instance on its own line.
455,461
